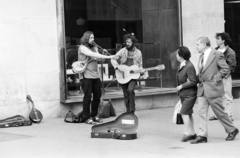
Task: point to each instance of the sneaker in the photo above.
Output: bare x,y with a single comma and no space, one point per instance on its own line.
97,119
90,121
212,118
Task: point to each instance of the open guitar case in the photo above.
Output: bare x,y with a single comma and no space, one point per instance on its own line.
14,121
123,127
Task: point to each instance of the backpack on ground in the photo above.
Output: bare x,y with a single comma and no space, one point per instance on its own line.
73,118
106,109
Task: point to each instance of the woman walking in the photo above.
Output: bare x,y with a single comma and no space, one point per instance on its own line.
187,91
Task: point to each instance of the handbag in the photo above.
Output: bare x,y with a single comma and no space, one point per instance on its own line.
177,117
106,109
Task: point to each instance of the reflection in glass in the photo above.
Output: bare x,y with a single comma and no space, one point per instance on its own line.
108,19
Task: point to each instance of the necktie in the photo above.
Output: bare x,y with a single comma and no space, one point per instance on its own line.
201,63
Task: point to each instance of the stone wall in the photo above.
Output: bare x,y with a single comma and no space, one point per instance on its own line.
29,57
201,18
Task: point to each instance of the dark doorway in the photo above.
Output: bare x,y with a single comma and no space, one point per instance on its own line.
232,26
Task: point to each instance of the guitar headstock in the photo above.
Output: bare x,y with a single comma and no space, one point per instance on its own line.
160,67
29,98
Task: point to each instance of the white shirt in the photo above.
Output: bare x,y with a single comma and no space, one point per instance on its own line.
183,63
206,54
222,50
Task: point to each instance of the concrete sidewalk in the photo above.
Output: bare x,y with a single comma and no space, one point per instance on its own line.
158,137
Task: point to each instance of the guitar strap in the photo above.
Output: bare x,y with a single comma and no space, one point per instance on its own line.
75,59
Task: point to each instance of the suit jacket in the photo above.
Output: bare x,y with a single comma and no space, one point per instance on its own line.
186,76
210,79
230,57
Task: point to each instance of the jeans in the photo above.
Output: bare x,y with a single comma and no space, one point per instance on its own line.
91,87
129,95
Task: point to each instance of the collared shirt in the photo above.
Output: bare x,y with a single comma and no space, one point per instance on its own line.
206,54
183,63
222,50
122,56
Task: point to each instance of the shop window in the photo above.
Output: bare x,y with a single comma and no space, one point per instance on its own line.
110,20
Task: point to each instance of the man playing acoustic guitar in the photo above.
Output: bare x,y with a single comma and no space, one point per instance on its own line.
128,56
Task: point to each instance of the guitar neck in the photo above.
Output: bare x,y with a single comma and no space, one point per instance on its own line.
147,69
35,112
33,108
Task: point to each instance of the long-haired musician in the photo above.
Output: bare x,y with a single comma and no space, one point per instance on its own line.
129,55
90,78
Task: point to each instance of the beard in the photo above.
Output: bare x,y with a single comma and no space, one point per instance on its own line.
130,48
90,45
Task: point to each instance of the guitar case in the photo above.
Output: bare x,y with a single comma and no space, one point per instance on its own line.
14,121
123,127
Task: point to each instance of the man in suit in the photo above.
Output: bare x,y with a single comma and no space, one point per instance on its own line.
212,69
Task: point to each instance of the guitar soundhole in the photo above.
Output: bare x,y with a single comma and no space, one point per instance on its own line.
131,72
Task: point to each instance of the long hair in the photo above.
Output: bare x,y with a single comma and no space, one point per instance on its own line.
85,38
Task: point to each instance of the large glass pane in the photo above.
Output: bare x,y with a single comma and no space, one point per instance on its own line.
110,20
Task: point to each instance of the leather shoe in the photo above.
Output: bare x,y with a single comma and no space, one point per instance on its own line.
189,137
232,135
213,118
199,139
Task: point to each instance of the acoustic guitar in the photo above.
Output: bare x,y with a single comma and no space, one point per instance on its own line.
35,115
132,72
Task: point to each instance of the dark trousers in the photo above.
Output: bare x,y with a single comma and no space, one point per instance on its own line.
91,87
129,95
